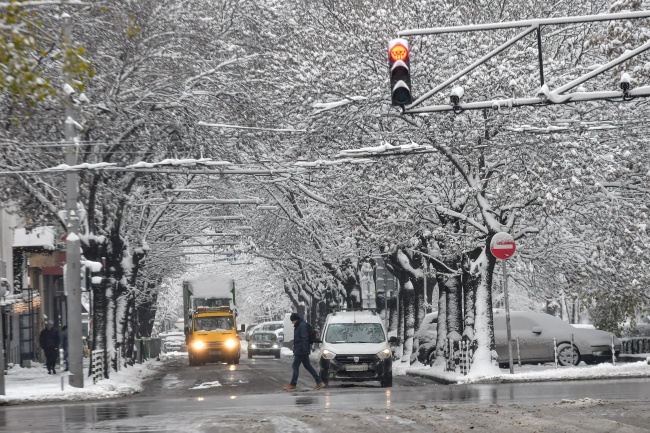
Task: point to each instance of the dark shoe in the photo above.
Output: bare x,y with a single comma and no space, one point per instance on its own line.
319,385
66,369
289,387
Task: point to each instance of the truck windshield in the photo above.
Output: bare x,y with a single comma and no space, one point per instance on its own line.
355,333
213,323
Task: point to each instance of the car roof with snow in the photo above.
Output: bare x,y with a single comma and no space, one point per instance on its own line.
363,316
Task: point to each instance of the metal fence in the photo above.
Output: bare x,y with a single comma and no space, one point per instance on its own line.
634,345
98,366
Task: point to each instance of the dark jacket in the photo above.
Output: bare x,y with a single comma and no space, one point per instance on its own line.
301,344
49,339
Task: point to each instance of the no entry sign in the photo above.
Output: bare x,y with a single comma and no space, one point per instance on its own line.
502,246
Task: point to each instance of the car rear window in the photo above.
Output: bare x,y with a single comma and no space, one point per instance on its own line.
355,333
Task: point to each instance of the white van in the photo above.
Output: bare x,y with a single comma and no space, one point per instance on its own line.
355,348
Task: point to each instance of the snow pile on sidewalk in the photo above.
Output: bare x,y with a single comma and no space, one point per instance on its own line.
529,373
24,385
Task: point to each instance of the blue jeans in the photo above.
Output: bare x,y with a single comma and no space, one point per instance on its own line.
304,360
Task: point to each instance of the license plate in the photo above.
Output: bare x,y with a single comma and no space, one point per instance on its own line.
215,352
357,367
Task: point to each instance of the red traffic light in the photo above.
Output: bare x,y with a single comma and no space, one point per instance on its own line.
400,72
398,52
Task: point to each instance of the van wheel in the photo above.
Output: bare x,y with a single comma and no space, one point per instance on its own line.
250,355
388,382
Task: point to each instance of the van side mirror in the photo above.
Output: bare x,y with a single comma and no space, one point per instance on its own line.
537,330
392,340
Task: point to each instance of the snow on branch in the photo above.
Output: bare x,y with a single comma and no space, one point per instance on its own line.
443,210
84,166
325,106
523,232
212,71
46,3
224,125
314,196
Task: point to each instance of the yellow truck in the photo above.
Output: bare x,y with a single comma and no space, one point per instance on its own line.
210,320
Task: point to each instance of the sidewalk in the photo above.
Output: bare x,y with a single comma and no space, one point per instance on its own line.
30,385
627,366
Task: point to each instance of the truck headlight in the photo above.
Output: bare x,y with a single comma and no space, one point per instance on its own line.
198,345
328,354
230,344
384,354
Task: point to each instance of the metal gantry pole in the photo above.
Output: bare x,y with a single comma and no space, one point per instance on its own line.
72,243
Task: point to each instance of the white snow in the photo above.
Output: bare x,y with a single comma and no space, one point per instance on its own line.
36,237
531,373
29,385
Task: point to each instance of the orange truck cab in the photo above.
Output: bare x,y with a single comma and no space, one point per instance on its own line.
213,336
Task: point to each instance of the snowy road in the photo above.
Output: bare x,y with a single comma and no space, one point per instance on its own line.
216,398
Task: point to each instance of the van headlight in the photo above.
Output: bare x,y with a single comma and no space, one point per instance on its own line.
230,344
384,354
327,354
198,345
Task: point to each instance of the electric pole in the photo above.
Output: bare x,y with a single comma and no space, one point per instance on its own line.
72,243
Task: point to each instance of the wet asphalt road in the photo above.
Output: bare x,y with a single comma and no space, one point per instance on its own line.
219,397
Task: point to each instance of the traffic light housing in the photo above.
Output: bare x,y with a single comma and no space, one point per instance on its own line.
400,72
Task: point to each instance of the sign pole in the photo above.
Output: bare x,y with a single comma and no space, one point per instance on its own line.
509,331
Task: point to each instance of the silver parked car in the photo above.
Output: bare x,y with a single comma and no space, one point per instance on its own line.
536,332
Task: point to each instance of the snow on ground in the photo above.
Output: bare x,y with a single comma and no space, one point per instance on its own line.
534,373
30,385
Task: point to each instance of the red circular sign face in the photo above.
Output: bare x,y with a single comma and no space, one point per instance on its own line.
399,52
502,246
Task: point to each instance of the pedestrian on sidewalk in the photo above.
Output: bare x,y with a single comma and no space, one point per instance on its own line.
49,341
64,346
301,351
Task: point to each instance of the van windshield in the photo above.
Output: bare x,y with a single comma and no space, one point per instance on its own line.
355,333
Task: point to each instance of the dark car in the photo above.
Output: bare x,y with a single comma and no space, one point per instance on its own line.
537,332
263,343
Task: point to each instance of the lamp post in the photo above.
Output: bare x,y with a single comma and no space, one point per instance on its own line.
3,292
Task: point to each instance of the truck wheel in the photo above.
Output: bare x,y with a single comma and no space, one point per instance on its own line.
236,360
192,359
